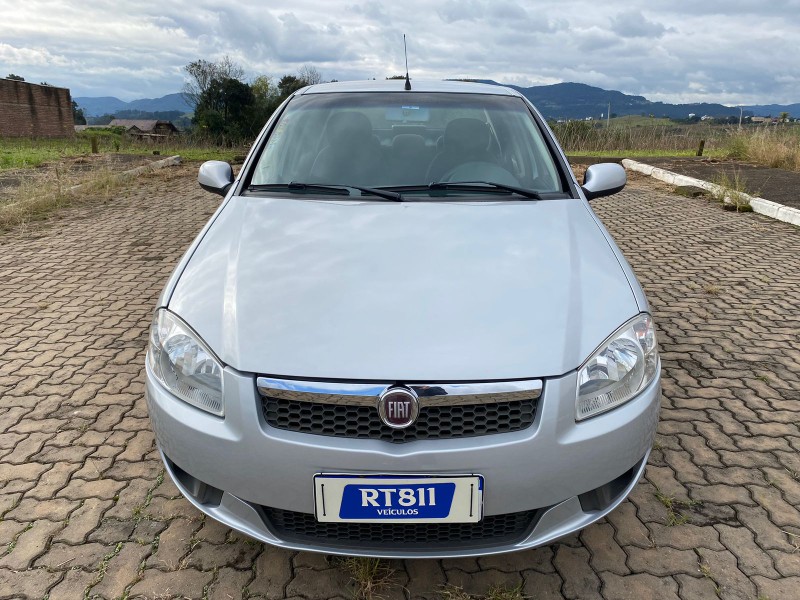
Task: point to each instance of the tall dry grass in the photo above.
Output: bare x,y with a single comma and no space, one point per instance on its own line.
771,146
36,198
579,137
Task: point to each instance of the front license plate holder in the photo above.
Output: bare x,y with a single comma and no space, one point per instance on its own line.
343,498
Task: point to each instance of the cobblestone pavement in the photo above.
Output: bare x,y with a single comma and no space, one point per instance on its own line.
86,511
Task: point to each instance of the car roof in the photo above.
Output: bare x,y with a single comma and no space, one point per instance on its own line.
397,85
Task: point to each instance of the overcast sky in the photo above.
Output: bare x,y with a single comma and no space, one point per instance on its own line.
729,51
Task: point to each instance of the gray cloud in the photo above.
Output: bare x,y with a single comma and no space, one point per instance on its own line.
675,50
633,24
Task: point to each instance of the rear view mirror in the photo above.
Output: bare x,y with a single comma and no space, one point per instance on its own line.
603,179
215,176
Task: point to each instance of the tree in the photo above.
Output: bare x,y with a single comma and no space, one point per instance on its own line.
289,84
13,77
310,75
77,114
783,117
225,109
202,74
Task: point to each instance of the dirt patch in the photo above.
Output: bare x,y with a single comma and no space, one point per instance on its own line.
70,170
772,184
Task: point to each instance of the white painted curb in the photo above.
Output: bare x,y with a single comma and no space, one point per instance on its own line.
780,212
131,173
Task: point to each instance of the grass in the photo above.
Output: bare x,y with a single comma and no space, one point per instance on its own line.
37,198
771,146
705,570
732,191
18,153
643,137
592,139
794,539
451,592
371,576
674,515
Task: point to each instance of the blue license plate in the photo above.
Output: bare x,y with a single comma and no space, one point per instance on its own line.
393,498
410,501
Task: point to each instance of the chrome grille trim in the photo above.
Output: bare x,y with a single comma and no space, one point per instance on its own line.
366,394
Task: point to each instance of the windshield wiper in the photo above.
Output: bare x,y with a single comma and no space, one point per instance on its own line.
324,188
478,185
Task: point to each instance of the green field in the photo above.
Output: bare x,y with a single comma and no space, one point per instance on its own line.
632,136
32,152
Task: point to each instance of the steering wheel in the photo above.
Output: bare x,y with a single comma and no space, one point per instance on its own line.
480,171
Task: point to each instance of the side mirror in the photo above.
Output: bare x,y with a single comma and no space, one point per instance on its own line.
215,176
603,179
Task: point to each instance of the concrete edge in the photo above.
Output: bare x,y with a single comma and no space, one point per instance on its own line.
135,172
768,208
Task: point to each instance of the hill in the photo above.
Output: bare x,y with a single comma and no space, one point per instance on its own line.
109,105
578,101
557,101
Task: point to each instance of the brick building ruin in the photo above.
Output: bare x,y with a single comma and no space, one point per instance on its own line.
31,110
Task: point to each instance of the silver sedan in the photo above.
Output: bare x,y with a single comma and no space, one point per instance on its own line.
404,332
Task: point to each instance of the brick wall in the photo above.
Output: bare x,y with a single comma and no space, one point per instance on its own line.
30,110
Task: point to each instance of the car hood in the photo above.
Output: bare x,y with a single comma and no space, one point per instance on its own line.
415,291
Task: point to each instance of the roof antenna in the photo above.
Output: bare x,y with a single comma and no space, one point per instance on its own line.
405,51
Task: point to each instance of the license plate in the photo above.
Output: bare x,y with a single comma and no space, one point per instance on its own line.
398,498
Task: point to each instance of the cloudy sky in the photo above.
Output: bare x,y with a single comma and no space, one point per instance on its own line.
729,51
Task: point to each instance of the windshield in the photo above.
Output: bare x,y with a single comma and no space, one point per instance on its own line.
399,139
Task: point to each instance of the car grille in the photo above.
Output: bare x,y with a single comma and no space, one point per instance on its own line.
433,422
493,530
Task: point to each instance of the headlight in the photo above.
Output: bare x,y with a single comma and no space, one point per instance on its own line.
183,363
625,364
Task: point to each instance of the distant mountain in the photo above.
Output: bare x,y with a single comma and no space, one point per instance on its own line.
108,105
558,101
774,110
578,101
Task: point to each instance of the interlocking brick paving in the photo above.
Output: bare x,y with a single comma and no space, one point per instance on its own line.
86,511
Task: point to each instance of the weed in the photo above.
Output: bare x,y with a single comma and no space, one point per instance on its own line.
705,569
674,515
711,289
13,543
452,592
763,378
370,576
731,192
101,569
498,592
138,511
503,593
794,539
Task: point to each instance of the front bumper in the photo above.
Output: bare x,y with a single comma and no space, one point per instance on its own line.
569,473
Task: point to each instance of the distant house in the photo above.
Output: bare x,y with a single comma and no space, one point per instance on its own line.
759,119
145,128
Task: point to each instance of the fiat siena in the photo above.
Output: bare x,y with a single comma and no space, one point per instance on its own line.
404,332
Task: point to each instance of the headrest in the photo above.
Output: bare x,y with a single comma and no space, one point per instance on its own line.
348,125
466,134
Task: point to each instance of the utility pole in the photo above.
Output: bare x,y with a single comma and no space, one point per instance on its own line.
741,111
608,116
